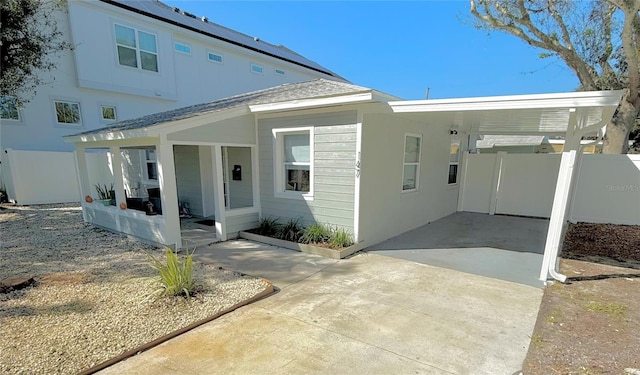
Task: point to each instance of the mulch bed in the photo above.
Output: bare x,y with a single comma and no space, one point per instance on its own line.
591,324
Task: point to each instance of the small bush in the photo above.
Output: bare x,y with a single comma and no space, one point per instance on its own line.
268,227
316,233
291,231
340,238
175,274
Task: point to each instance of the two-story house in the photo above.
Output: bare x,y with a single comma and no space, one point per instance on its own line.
131,58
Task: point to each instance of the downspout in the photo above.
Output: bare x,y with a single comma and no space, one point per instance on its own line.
573,168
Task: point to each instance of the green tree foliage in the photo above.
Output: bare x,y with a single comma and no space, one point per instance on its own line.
29,41
599,40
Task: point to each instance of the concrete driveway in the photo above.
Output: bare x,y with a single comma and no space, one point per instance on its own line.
504,247
370,314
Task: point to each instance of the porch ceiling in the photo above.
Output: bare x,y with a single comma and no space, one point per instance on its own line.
545,114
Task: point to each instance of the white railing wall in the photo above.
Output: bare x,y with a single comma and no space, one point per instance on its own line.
607,190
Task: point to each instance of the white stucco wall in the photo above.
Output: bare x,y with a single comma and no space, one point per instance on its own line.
384,210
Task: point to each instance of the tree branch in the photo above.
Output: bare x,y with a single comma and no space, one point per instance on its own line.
630,50
585,73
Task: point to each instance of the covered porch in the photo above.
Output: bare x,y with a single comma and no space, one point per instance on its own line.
185,183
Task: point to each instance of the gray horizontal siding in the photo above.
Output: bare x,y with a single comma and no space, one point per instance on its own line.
239,223
334,170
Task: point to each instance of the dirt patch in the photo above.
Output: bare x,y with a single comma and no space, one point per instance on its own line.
591,324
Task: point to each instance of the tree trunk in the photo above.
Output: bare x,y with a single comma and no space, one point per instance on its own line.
616,140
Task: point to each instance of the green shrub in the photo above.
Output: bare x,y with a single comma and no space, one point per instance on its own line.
316,233
291,231
340,238
267,227
175,274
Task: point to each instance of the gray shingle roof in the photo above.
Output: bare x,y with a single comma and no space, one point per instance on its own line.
162,12
291,91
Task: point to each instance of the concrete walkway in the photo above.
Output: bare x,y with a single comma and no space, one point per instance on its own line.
503,247
370,314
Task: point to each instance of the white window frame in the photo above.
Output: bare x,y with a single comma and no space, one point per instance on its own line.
137,48
456,163
417,164
144,161
209,53
178,45
115,113
279,165
79,124
257,69
10,98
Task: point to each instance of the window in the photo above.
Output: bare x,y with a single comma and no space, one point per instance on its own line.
136,48
8,109
454,158
294,160
182,48
67,113
256,68
279,72
150,168
214,57
108,113
411,162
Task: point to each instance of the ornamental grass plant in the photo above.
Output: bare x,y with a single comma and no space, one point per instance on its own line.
175,274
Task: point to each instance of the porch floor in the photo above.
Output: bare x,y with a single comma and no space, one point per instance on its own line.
195,233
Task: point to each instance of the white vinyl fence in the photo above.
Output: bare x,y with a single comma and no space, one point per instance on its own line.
607,188
39,177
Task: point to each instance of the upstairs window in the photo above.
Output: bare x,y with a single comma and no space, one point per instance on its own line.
214,57
454,160
255,68
108,113
137,49
411,162
67,113
294,161
182,48
8,108
279,72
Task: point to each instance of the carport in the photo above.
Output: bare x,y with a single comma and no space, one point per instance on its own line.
569,115
508,248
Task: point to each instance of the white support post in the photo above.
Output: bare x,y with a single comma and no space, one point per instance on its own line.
80,157
497,176
255,179
221,227
118,174
558,217
169,193
463,179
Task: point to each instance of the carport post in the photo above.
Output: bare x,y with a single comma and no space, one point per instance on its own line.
558,217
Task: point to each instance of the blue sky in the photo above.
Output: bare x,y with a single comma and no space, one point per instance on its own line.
398,47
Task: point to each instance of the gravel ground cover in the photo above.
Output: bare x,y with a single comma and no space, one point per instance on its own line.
92,299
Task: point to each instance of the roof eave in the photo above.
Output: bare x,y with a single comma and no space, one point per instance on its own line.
354,98
536,101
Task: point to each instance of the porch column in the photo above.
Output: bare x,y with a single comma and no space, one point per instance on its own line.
116,157
168,193
83,175
221,230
